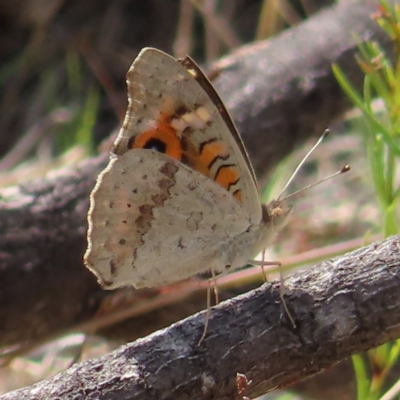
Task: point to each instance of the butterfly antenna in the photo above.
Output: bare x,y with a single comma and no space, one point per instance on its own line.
320,140
345,169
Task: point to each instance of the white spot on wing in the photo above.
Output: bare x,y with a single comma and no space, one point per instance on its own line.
194,120
203,114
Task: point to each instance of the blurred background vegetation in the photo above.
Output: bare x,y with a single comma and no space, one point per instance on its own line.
63,63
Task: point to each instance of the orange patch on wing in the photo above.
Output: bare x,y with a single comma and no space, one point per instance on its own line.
226,177
166,134
238,196
208,154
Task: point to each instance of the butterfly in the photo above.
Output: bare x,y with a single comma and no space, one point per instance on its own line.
179,195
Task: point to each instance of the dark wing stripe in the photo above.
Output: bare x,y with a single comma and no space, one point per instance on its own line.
204,82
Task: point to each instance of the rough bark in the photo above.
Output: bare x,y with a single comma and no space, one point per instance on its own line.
342,306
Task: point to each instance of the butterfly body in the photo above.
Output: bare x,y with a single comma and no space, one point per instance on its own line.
179,196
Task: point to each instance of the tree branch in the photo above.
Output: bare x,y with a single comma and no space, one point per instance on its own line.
343,306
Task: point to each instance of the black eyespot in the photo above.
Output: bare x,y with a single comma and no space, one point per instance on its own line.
156,145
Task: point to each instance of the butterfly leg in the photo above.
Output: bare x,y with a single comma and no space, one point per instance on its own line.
215,286
213,282
282,294
263,264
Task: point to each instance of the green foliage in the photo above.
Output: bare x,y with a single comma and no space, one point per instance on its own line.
382,133
382,140
78,129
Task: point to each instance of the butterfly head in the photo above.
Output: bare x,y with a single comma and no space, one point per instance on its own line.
276,213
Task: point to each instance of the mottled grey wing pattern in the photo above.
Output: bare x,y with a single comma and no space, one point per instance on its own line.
154,221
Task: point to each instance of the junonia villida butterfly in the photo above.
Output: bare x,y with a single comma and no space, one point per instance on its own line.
179,195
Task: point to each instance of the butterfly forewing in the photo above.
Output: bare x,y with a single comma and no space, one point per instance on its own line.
171,110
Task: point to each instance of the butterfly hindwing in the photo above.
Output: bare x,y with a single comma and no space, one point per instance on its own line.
153,222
